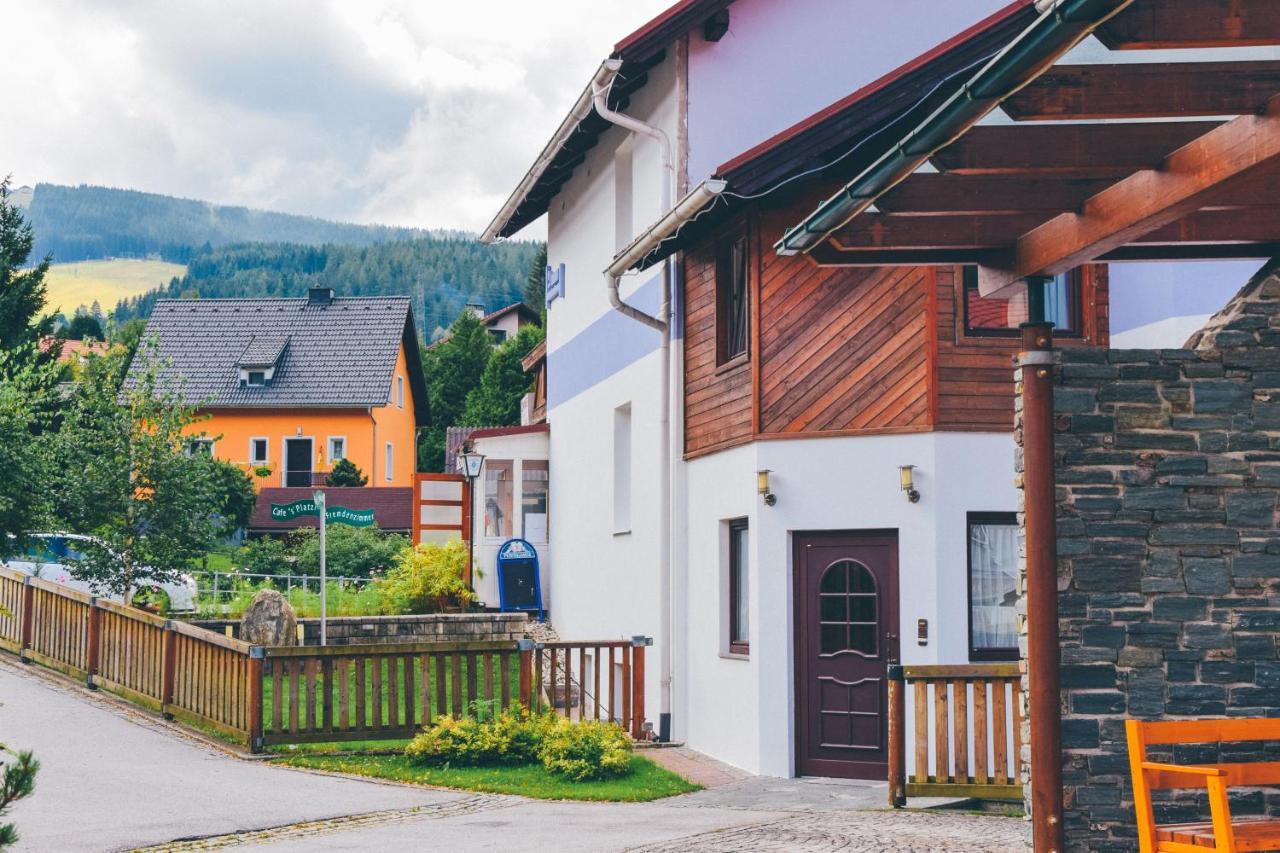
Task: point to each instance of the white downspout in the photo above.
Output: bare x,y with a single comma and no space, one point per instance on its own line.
666,667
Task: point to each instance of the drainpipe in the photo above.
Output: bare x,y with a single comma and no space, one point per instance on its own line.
1040,512
662,323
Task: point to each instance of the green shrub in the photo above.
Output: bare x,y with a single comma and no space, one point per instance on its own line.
426,579
511,737
345,473
265,556
351,552
586,750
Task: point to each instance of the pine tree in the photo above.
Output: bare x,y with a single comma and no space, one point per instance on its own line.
22,291
535,285
453,368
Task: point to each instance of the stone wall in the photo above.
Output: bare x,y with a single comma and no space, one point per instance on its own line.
1168,470
431,628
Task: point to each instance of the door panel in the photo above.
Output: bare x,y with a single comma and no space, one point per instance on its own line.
846,637
297,461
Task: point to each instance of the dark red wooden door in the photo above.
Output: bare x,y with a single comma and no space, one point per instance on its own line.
846,637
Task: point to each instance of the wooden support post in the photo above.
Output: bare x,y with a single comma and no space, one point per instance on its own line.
254,697
897,739
1043,653
637,686
28,615
93,644
169,671
526,673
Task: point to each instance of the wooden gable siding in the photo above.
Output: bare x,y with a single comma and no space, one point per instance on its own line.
717,399
842,349
973,382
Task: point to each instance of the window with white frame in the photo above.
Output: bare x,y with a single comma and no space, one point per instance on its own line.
739,587
199,446
400,391
337,448
993,586
533,499
498,494
622,469
389,462
259,451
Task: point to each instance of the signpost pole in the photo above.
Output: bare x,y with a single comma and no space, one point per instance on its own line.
324,609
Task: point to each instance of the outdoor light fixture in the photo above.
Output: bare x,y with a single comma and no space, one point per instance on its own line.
908,482
762,486
470,464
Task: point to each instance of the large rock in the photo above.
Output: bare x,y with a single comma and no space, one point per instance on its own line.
269,620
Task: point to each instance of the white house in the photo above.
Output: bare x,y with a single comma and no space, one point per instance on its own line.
740,492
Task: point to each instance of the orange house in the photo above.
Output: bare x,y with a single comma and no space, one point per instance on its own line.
291,386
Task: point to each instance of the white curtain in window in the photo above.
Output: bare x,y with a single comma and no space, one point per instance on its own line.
993,555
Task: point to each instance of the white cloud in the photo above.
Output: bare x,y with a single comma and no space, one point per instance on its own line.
394,111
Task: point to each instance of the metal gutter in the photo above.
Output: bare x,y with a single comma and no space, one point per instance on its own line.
582,108
1063,24
686,209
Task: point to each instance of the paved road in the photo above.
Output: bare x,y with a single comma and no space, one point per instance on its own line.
115,779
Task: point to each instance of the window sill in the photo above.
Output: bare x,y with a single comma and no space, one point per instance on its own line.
622,533
733,364
735,656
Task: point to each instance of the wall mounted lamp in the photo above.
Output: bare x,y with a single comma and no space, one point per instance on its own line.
907,481
762,486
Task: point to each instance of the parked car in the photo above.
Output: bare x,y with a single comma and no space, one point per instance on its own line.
48,557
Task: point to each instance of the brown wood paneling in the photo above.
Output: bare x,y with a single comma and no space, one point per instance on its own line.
975,374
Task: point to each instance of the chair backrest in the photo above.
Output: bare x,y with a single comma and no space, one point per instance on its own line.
1206,731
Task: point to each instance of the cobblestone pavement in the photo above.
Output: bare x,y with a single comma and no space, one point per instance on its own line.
865,832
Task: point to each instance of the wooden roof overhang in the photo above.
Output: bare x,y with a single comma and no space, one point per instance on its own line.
1115,161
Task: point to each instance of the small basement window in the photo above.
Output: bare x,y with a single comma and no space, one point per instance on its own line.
988,317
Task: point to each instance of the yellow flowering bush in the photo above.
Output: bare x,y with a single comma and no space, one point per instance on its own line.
586,750
511,737
426,579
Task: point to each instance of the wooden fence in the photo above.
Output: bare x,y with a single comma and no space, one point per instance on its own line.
966,732
307,694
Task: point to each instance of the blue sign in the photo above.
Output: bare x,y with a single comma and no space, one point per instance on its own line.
519,585
555,283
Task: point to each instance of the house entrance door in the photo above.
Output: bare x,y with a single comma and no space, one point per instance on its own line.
846,597
298,453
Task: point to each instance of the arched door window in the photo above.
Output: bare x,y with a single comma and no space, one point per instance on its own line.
850,610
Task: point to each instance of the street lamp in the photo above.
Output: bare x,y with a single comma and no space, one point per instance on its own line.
471,463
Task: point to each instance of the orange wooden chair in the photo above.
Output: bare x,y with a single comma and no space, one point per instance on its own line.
1222,832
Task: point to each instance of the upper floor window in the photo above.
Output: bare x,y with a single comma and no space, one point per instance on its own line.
259,450
993,586
201,446
733,318
400,391
256,377
1063,300
389,467
337,448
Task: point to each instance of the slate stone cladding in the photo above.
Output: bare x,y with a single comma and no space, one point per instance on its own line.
1168,470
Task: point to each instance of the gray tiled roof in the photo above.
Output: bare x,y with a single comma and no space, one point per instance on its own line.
263,350
339,354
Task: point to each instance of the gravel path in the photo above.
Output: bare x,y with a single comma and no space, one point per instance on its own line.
113,778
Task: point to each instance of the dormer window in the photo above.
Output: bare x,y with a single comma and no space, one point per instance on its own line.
261,358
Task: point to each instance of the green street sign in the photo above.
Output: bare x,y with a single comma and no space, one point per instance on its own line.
333,514
284,512
351,517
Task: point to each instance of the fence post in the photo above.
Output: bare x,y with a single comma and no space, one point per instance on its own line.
93,642
637,685
526,672
897,738
256,654
28,612
169,668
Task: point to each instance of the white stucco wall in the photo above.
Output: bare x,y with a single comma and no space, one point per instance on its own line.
741,711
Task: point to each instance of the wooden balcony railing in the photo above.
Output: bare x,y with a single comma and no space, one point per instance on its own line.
966,732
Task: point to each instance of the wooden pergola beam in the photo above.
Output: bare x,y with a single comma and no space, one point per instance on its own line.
1147,90
1070,150
950,194
1187,180
1154,24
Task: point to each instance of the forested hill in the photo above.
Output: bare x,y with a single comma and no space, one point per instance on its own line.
440,273
89,223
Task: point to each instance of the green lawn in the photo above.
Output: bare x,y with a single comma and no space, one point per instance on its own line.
647,781
382,704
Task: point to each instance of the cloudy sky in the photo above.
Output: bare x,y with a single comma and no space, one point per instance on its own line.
404,112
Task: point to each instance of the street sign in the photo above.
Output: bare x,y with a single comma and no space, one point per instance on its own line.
333,514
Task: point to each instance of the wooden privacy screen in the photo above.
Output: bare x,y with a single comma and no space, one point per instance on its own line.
306,694
971,746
